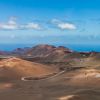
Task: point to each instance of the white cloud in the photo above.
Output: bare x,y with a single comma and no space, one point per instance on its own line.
12,21
7,27
55,21
12,25
63,25
33,26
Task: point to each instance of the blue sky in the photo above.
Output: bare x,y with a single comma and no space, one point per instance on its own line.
49,21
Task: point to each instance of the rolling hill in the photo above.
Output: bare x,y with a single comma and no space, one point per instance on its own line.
15,68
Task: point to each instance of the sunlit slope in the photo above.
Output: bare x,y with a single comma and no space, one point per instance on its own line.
17,68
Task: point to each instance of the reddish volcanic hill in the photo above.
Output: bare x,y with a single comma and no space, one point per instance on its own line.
45,50
15,68
48,53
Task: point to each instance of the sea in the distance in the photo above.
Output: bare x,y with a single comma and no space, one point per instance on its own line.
75,47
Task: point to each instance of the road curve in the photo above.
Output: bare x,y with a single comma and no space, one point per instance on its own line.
45,78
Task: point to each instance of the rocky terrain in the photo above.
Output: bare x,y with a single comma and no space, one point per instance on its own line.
46,72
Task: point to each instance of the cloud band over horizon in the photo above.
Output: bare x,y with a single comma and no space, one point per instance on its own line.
13,25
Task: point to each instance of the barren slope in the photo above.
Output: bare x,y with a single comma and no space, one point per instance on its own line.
17,68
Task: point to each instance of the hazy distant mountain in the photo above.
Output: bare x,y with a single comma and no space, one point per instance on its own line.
3,52
20,51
